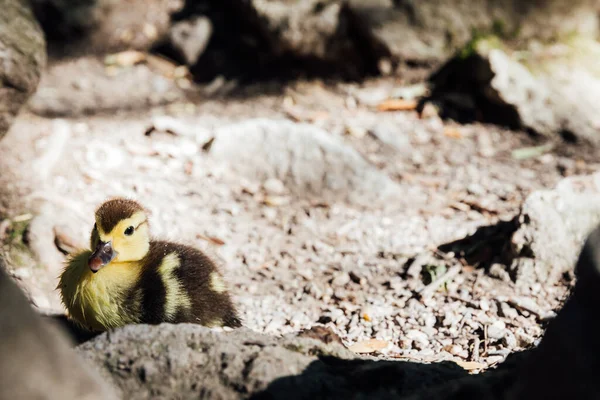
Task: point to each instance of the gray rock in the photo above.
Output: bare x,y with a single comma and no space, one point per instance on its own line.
61,92
284,37
36,359
430,31
189,361
190,37
556,97
102,26
497,330
543,241
553,225
307,160
22,58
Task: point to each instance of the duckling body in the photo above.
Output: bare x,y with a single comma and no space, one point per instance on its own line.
129,278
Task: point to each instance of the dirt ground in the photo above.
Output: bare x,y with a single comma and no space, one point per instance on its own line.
294,261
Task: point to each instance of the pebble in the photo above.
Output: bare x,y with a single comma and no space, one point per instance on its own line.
507,311
429,331
367,313
523,339
484,305
420,339
454,349
450,318
274,186
426,353
428,320
510,340
340,279
496,330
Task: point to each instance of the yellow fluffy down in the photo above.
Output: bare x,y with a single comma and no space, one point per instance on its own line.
96,301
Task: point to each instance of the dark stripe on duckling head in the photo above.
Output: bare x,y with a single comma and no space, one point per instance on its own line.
113,211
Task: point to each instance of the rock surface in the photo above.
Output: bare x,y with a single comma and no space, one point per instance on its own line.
103,26
22,58
542,243
554,224
552,90
305,158
36,359
214,365
430,31
359,38
272,39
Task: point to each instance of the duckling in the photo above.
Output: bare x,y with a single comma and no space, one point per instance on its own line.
130,278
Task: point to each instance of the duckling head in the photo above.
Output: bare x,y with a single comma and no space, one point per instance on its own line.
121,233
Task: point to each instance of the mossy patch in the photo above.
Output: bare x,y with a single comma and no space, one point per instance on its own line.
480,43
14,247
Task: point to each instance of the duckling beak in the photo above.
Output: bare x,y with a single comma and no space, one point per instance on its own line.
102,255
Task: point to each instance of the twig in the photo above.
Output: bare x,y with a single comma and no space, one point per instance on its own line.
433,286
485,340
467,302
523,306
475,352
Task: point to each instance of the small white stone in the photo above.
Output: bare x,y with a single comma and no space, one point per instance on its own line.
510,341
421,340
484,305
274,186
496,330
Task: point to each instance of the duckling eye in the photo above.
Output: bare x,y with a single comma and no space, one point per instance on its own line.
129,231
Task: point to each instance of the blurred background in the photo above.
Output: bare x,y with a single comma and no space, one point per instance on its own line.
335,155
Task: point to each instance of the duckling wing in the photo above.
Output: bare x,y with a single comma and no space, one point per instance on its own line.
70,283
185,286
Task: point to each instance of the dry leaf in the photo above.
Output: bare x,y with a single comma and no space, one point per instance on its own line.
452,132
531,152
356,131
276,201
212,239
470,365
125,58
163,66
397,105
22,218
368,346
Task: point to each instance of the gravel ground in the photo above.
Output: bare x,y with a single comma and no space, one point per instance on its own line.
293,260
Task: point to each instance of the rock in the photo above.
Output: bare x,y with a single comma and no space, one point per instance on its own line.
429,31
190,38
36,359
191,361
322,333
274,186
418,337
553,225
64,93
22,58
307,160
558,98
260,39
104,26
542,242
496,330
